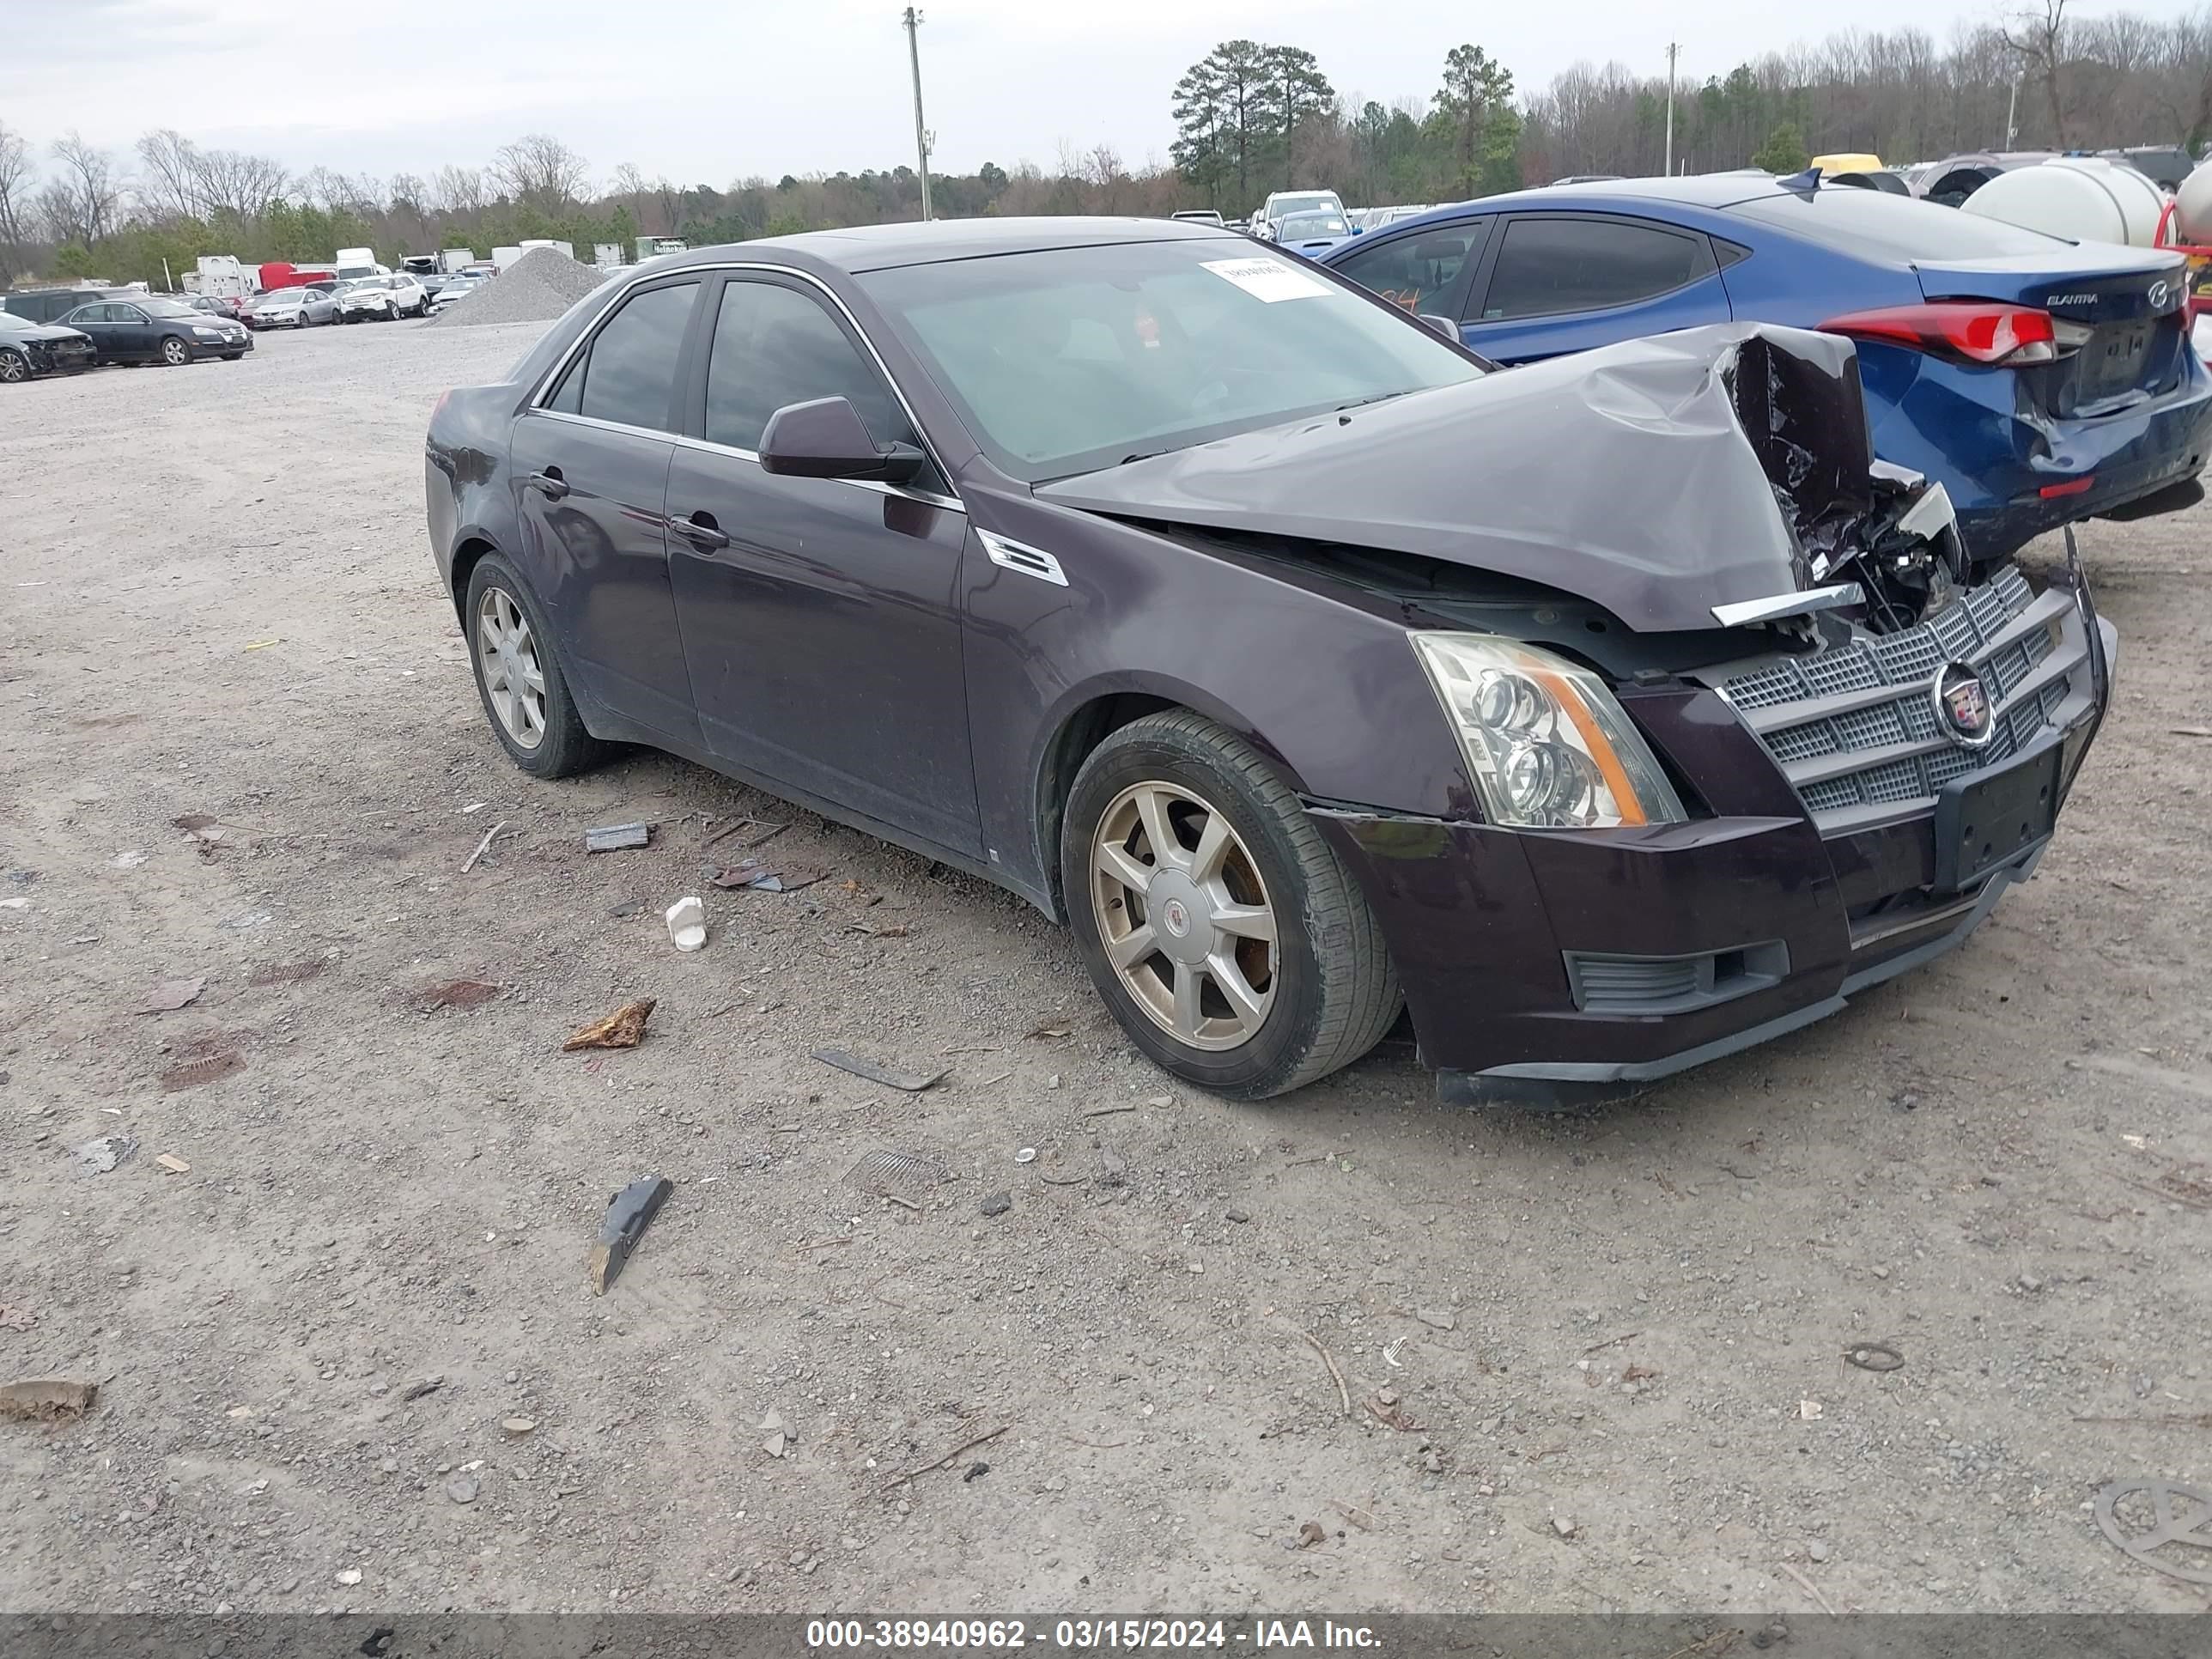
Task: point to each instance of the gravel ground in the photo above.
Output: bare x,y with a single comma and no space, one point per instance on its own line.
1593,1361
536,289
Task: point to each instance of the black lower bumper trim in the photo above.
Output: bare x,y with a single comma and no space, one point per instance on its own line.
1559,1084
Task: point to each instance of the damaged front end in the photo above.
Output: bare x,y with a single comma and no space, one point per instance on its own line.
1863,756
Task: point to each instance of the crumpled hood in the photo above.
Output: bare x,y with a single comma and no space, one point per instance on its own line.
1658,478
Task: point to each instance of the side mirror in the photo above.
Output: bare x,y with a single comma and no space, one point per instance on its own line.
1444,325
826,438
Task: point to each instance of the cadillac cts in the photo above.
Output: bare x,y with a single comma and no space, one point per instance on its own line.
1608,715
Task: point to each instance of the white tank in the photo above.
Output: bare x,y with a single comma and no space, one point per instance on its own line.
2084,198
2193,205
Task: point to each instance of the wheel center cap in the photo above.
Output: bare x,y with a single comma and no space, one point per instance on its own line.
1183,915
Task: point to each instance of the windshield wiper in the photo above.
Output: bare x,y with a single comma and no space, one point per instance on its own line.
1380,397
1142,455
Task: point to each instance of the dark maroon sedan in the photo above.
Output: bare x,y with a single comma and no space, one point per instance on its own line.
1608,715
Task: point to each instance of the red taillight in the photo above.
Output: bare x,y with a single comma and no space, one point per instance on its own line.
1965,331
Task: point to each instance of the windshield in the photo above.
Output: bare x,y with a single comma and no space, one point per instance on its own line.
10,321
1305,226
286,296
1069,360
167,308
1313,201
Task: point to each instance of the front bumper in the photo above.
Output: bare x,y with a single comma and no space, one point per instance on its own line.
1552,967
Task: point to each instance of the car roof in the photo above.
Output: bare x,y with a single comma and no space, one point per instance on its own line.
1711,190
878,247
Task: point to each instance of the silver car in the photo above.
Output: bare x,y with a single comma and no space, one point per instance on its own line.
292,308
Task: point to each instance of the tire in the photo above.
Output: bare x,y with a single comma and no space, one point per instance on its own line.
15,367
174,352
1331,991
562,747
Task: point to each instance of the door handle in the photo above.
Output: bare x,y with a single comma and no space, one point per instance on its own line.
550,482
700,530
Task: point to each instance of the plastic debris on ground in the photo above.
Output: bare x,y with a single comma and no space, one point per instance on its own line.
630,1212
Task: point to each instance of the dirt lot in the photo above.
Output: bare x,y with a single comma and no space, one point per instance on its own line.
1593,1361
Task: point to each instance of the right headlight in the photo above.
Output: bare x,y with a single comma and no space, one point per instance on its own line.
1549,746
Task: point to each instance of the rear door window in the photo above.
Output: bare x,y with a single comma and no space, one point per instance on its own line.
629,371
774,346
1417,271
1548,265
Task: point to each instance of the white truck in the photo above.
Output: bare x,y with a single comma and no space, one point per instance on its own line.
504,257
651,247
223,277
566,250
456,258
606,255
354,262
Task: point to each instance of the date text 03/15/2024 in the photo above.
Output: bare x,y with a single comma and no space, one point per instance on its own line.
1087,1635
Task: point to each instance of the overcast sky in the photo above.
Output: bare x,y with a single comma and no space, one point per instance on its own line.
710,90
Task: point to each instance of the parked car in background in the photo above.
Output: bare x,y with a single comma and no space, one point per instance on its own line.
216,305
145,328
382,298
51,305
457,289
1587,179
293,308
29,349
1304,666
1862,169
1284,203
1198,216
1310,232
2040,382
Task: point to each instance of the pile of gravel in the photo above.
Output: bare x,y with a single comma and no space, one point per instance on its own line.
536,289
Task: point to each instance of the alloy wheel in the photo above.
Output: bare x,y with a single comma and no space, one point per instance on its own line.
1183,915
514,677
14,369
175,352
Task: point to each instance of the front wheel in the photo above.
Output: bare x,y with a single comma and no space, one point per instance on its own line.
1213,918
15,367
175,352
521,677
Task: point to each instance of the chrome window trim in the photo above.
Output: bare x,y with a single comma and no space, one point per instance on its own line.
551,377
709,447
949,503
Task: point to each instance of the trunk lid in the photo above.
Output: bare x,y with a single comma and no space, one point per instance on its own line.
2130,304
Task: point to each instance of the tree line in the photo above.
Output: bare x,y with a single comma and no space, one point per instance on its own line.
1249,117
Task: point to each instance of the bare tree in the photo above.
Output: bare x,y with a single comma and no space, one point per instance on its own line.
2039,39
540,171
87,202
457,190
236,185
15,178
170,186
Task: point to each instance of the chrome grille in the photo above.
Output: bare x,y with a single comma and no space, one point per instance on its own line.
1846,715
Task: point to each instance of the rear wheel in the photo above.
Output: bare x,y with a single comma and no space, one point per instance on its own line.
1215,921
520,677
175,353
15,367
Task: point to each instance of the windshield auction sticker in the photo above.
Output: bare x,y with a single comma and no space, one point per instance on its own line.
1269,279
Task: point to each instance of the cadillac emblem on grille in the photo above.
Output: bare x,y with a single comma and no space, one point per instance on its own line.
1962,706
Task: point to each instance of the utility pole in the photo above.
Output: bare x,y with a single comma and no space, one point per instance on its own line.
1671,50
2012,114
920,137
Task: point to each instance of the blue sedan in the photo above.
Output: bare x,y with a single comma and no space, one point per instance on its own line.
2041,381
